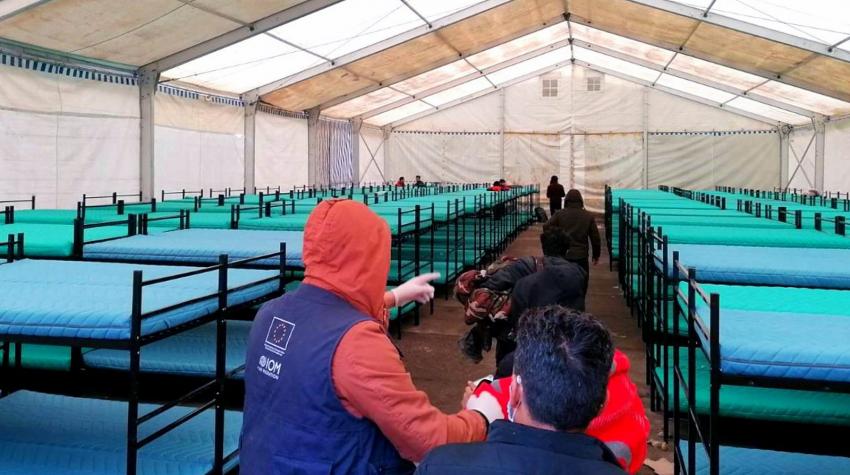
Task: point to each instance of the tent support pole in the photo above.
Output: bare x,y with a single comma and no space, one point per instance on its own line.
820,149
312,146
356,127
148,80
645,138
502,132
250,143
784,140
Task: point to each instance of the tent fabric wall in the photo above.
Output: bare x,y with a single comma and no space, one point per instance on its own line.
372,147
479,115
445,157
526,110
592,138
707,160
533,159
607,159
837,157
280,151
198,145
802,176
63,137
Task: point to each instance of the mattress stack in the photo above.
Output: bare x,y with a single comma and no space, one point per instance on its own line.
777,340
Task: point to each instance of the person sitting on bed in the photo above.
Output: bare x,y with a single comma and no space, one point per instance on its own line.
559,386
325,388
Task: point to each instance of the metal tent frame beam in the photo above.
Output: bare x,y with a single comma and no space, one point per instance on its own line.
705,16
242,33
379,46
413,73
467,77
587,65
697,79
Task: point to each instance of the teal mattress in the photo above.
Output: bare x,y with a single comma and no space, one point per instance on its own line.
58,435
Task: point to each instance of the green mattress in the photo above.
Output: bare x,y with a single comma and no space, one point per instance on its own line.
767,404
56,240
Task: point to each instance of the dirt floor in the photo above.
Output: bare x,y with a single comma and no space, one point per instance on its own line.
432,356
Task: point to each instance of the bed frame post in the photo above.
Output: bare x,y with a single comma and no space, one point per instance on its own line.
783,214
153,205
692,347
79,235
714,411
135,355
10,248
416,253
818,222
114,197
132,225
798,219
840,225
220,362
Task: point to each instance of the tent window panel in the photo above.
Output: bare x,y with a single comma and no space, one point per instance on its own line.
594,82
550,88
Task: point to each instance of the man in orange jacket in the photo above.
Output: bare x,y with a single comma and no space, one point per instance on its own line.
325,389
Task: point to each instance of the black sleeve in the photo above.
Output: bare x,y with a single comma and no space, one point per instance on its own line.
505,279
561,191
594,239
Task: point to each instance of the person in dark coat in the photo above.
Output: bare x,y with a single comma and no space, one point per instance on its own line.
580,226
560,376
555,193
536,282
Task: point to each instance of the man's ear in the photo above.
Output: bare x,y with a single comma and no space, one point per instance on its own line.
516,393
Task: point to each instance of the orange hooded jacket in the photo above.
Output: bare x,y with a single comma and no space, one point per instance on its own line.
347,252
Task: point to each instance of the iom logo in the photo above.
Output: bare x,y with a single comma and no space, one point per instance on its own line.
278,335
269,367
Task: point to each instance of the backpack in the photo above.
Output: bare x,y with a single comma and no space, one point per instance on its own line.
540,215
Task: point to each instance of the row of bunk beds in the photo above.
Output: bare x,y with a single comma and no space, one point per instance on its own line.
124,323
742,299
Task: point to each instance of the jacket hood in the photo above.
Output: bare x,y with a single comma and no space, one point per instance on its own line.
574,199
347,252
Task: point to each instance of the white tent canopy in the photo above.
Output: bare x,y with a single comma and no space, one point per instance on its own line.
384,64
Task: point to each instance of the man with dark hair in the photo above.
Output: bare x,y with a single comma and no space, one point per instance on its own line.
580,226
561,372
419,183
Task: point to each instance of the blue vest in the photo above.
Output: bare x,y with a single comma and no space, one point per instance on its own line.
294,423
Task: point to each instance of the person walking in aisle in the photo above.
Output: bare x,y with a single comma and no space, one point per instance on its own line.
580,226
555,193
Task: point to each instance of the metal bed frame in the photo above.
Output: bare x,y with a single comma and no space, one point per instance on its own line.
708,430
137,340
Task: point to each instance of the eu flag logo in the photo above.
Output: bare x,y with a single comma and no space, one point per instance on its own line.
280,331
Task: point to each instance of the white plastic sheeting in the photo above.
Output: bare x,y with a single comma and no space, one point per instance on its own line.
64,137
280,151
372,148
707,160
450,157
837,157
198,145
607,159
533,159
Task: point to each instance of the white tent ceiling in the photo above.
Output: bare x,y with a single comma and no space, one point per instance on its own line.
387,60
